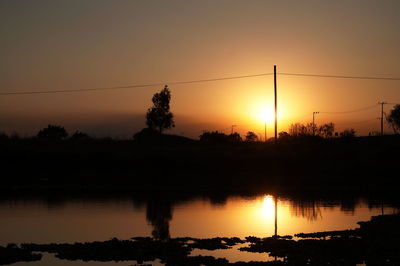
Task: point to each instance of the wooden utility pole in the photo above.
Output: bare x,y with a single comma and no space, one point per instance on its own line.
382,103
276,106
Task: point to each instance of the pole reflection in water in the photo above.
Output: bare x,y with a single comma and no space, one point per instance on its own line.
276,215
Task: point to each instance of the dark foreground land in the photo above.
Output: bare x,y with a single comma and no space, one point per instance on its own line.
175,163
376,242
184,168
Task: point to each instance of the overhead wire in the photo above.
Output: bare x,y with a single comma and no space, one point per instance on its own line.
338,76
353,111
357,122
135,85
194,81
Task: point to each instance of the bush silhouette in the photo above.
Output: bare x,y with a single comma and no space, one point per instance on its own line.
214,137
78,135
283,135
348,133
219,137
53,132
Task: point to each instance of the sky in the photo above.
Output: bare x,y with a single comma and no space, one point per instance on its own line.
74,44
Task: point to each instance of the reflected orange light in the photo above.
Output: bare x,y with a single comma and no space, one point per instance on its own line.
267,208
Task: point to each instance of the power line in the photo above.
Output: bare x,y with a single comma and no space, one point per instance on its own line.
338,76
194,81
134,86
357,122
352,111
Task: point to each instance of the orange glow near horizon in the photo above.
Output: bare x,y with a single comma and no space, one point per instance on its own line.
151,43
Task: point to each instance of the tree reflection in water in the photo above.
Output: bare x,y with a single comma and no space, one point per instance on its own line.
307,209
159,214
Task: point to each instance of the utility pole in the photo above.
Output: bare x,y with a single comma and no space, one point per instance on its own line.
382,103
313,122
232,127
265,131
276,106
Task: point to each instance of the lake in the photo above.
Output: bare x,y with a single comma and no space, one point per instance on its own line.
86,218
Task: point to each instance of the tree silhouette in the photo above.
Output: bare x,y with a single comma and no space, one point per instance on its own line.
394,118
327,130
300,130
159,117
251,137
214,137
53,132
159,214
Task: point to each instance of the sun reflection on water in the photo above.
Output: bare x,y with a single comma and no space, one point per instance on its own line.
267,208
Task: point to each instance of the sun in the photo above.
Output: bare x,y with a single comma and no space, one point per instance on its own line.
266,115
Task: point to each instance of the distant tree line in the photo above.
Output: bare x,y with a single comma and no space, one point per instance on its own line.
296,131
160,118
325,131
55,132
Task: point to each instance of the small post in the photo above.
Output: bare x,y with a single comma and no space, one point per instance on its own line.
265,131
313,122
232,127
382,103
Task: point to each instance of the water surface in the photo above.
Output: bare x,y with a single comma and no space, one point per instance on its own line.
39,220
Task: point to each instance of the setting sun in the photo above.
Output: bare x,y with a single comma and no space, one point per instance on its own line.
266,115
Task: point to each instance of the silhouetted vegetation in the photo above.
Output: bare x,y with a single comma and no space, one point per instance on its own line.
78,135
348,133
284,135
52,132
394,118
159,214
326,130
159,117
300,130
216,161
251,137
154,161
216,137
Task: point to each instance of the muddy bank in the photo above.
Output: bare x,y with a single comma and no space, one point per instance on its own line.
375,242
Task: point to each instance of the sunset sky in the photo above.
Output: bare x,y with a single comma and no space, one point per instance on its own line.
75,44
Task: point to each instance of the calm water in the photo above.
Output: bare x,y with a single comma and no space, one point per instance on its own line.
83,219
